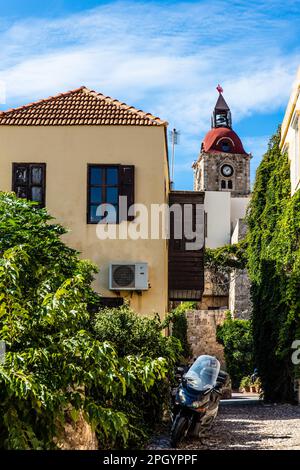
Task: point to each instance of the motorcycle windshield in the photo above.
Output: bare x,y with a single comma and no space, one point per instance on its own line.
202,375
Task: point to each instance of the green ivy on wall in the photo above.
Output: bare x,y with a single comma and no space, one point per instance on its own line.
236,337
271,255
274,269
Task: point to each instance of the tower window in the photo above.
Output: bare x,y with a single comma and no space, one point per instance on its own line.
226,184
226,146
221,120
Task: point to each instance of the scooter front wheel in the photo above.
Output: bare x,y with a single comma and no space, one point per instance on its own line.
179,430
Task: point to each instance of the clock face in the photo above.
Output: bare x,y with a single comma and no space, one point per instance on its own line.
227,170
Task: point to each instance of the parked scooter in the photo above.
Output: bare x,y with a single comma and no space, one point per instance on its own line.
196,400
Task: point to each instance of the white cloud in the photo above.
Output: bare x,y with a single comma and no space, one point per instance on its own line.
2,92
165,58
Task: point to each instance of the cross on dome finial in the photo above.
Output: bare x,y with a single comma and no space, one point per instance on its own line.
219,88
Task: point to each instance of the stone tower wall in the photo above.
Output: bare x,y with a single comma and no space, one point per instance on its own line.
239,288
207,175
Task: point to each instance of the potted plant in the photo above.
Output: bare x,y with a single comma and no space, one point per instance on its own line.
245,384
257,385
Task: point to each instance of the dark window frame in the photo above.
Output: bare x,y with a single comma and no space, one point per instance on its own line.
125,188
103,187
29,185
227,184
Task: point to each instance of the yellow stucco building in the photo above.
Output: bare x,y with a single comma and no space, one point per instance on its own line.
290,134
78,149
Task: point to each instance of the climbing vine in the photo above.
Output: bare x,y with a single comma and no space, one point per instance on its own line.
236,337
176,322
227,258
274,269
271,255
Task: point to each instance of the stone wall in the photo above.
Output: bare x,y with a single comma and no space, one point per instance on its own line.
77,435
239,295
239,289
215,294
202,327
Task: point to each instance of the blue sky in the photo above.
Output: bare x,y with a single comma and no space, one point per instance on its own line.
164,57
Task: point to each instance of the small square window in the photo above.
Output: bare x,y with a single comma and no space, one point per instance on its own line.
96,176
29,180
93,213
36,194
21,175
36,175
112,176
96,195
112,195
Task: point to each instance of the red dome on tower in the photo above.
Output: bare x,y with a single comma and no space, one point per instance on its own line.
222,139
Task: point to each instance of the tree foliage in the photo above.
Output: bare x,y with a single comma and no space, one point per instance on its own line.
54,362
130,333
134,334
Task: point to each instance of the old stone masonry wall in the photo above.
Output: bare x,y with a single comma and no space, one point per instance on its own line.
239,288
202,328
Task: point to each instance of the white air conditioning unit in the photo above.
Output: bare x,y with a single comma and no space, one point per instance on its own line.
128,276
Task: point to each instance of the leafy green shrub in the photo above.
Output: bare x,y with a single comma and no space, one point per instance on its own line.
236,337
176,322
134,334
54,362
245,382
130,333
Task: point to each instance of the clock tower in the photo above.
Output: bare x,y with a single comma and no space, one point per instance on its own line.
223,164
222,171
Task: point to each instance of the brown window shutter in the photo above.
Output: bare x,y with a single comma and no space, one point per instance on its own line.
126,185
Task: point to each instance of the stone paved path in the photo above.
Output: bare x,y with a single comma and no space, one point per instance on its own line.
244,427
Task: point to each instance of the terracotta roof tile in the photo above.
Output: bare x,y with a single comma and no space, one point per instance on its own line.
78,107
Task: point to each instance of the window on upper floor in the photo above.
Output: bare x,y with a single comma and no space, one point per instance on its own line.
29,181
106,183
